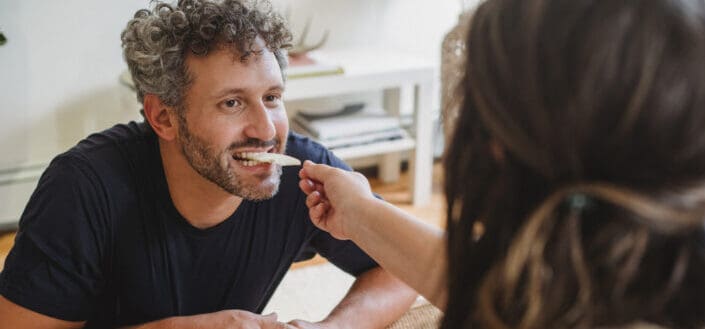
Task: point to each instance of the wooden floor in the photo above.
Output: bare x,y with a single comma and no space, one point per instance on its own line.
399,194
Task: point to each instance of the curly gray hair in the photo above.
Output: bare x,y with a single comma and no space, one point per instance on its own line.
155,42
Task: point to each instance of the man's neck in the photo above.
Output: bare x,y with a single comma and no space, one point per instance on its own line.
201,202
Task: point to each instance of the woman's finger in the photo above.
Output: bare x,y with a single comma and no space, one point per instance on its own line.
307,186
317,172
313,199
318,212
320,189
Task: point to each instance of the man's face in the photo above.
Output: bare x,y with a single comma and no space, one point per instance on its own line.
232,107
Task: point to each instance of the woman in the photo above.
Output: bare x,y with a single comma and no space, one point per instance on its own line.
575,179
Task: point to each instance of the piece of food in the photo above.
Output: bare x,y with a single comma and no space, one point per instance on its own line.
280,159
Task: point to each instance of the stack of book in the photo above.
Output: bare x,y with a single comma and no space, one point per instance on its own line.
309,65
354,125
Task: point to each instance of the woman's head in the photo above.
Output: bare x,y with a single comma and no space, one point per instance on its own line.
580,147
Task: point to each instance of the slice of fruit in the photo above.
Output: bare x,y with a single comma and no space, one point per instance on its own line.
280,159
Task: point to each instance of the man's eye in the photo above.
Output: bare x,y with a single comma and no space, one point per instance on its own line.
271,98
231,103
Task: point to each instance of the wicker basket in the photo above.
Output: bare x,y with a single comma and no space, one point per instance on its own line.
420,316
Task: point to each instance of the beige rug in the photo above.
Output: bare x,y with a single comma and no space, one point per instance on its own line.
311,292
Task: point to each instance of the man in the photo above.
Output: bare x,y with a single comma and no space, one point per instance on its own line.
166,224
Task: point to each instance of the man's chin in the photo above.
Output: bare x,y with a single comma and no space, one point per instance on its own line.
255,187
258,194
257,191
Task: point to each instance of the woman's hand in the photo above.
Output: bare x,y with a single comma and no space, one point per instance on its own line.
335,197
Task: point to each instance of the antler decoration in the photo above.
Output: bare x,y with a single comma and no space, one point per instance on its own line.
301,48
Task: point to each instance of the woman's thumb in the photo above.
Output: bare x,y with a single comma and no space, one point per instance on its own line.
317,172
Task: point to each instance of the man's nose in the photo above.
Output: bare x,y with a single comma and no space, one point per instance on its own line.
260,125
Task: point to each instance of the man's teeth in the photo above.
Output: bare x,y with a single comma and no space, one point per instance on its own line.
246,159
249,163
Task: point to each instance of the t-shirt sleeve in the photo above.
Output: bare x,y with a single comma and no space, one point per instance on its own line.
346,255
55,265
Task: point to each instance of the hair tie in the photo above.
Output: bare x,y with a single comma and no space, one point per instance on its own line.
577,202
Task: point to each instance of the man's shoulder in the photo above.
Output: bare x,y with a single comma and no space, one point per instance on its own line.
119,140
120,134
302,147
107,153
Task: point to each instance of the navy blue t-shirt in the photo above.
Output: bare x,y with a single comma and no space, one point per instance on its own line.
100,239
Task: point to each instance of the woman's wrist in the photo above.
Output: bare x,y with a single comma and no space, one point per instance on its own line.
369,210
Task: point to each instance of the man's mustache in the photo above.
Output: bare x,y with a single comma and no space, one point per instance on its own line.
255,143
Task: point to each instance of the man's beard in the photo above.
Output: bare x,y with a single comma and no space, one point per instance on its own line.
216,167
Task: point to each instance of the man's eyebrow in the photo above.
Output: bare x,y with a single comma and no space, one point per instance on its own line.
228,91
231,91
280,88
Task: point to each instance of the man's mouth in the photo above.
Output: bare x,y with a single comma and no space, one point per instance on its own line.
248,159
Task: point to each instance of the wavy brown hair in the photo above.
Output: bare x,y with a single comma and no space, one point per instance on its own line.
156,42
580,148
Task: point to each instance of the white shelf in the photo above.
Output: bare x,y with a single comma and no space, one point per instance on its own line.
364,70
371,70
354,152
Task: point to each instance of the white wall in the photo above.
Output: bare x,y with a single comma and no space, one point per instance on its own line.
415,26
59,74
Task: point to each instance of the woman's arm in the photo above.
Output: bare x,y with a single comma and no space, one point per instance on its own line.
342,204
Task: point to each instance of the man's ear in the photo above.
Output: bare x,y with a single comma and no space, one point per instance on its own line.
161,117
